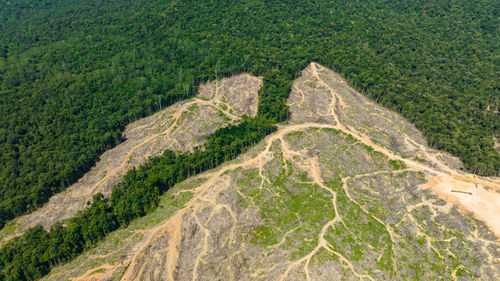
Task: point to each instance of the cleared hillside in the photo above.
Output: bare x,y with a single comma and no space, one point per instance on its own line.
345,188
179,127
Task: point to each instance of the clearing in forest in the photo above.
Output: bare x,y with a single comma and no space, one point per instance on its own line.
345,188
177,128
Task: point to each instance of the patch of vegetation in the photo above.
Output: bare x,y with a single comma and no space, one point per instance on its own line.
223,116
397,164
360,237
295,134
336,132
303,207
100,270
368,148
419,159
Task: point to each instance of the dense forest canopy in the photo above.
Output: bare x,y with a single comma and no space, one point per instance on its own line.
74,73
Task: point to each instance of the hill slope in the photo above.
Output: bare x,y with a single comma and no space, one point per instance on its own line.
345,188
179,127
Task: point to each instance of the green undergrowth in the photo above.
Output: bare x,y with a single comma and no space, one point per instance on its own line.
287,204
397,164
373,231
359,237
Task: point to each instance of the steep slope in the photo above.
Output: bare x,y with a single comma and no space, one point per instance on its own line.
345,189
179,127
